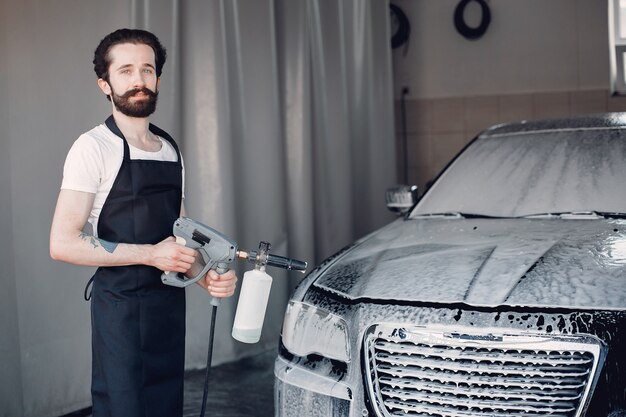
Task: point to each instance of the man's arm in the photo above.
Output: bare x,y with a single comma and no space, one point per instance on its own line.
70,244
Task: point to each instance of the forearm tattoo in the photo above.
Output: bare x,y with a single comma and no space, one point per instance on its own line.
95,242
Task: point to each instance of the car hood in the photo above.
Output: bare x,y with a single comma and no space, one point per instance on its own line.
488,262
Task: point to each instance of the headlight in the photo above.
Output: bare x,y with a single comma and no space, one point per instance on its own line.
308,329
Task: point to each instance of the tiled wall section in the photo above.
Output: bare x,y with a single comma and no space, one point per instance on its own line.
437,129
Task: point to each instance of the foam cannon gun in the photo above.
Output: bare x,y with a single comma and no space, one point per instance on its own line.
217,251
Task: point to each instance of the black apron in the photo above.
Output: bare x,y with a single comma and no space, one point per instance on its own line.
138,323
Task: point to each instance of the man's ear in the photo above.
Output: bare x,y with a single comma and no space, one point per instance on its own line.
104,86
158,84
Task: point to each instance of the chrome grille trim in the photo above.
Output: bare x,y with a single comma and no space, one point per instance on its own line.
485,356
440,371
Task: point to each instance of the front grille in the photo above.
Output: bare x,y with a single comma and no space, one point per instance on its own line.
444,372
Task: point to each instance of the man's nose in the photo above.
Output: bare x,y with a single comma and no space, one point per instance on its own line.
138,79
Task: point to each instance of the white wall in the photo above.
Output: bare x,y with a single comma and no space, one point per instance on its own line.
48,96
530,46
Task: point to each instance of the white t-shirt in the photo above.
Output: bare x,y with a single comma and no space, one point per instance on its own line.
95,159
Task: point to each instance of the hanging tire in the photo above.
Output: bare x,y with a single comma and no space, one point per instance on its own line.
463,28
401,35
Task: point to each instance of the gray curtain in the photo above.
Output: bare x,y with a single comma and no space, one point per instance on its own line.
283,109
288,135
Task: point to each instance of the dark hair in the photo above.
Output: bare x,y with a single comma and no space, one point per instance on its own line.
101,60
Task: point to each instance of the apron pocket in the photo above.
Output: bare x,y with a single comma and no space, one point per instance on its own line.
162,321
116,342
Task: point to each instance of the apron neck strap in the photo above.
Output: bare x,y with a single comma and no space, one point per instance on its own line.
110,123
162,133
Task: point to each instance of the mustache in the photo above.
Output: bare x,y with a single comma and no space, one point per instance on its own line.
144,90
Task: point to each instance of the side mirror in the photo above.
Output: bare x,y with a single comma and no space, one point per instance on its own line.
401,199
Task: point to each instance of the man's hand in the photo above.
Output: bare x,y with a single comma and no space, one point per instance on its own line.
168,255
219,286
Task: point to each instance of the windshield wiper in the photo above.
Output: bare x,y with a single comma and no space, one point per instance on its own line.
611,214
584,215
568,215
453,215
447,215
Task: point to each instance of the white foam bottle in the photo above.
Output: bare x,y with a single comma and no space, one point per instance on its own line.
255,292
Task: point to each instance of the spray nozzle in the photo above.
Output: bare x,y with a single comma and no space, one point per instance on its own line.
263,258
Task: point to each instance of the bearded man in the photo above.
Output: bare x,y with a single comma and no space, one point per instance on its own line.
125,177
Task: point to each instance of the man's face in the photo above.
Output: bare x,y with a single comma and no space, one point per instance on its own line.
132,84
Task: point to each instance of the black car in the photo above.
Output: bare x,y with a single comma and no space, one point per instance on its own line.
501,293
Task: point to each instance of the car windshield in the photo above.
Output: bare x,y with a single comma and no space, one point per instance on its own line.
530,173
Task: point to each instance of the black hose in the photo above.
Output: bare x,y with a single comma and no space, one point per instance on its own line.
405,142
209,356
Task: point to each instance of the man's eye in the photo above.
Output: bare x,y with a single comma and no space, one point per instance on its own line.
147,71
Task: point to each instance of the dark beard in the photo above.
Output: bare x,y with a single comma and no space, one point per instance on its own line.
140,108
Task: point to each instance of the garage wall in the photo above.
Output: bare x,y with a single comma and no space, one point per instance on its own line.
531,46
538,59
437,129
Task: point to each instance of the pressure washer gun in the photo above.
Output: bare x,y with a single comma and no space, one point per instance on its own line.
217,251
